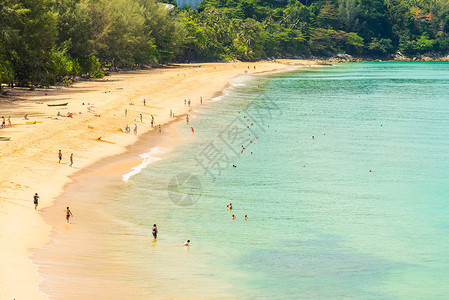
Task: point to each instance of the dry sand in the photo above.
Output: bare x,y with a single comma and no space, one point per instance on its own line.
29,162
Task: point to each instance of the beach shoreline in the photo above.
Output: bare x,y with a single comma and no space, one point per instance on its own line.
29,162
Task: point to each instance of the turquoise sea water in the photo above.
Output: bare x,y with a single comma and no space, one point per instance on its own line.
321,225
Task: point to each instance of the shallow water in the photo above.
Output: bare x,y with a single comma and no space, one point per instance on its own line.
358,211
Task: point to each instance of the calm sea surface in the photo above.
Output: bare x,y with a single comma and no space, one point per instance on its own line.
346,189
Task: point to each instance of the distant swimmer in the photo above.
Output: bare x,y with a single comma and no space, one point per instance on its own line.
36,201
186,243
246,217
68,214
155,231
313,137
60,156
233,217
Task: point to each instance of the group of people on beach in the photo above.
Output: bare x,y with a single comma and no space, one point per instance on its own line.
60,158
4,122
68,213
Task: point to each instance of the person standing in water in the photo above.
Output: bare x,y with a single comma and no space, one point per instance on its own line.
68,214
155,231
36,201
246,217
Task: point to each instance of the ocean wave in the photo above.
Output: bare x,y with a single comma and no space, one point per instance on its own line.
148,158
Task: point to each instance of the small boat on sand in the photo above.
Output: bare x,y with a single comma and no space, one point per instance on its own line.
4,138
58,104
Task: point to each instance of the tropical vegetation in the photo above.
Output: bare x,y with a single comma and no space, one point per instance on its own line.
48,41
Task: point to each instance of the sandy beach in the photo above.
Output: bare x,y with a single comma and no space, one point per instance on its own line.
101,109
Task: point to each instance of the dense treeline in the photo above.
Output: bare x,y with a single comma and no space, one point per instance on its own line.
44,41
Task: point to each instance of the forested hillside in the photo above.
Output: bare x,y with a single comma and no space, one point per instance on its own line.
44,41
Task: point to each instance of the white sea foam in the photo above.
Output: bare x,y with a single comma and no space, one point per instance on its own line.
233,83
148,158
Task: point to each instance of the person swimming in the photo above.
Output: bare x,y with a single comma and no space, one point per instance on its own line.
246,217
233,217
186,243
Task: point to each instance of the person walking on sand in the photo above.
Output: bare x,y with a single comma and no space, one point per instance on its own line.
188,103
3,122
185,102
160,129
187,119
9,121
36,201
144,102
135,129
71,160
193,131
201,100
171,113
68,214
126,112
140,118
155,231
60,156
